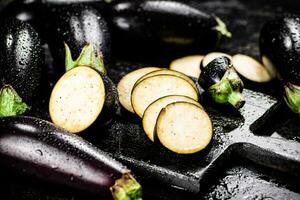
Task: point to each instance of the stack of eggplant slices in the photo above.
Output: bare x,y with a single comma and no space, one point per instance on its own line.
167,100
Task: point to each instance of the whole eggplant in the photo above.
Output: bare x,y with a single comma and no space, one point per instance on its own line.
280,49
37,148
21,58
222,83
151,26
77,26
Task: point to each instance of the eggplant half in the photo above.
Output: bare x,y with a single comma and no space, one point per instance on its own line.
38,149
21,60
83,95
163,24
77,25
280,51
222,83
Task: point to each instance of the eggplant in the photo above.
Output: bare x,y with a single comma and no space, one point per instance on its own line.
221,83
77,25
280,51
38,149
30,11
161,24
21,58
83,96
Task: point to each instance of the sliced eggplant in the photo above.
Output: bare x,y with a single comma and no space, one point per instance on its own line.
184,128
279,48
161,24
168,72
40,150
155,87
153,110
126,84
77,26
211,56
250,68
77,99
189,65
222,83
21,58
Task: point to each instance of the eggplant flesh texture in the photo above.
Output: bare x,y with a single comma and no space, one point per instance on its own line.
280,44
37,148
222,83
159,24
21,58
77,26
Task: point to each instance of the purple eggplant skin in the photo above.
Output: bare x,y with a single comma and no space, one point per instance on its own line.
280,45
21,58
77,26
38,149
165,24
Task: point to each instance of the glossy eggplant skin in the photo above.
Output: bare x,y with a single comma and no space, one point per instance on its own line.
38,149
280,43
77,25
21,58
158,24
214,72
222,83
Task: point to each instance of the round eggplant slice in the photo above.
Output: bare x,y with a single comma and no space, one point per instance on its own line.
250,68
155,87
189,65
152,112
126,84
168,72
183,128
77,99
211,56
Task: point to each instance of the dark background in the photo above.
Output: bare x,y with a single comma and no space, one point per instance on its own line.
240,178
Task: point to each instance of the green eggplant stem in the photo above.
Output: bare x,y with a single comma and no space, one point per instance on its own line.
225,92
292,97
88,57
126,188
11,103
222,30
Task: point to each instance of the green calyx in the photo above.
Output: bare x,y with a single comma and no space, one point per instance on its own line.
228,90
292,97
11,103
126,188
88,57
222,30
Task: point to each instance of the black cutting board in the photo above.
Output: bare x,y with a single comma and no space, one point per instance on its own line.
125,140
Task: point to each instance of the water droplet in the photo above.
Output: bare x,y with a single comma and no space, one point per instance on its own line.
39,152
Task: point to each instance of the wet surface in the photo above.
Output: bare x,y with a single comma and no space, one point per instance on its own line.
236,177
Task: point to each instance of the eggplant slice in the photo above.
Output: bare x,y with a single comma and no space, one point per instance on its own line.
168,72
250,68
211,56
189,65
77,99
153,110
155,87
126,84
184,128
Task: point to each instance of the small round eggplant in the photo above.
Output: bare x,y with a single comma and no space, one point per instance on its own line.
21,58
221,82
280,49
160,24
77,26
38,149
